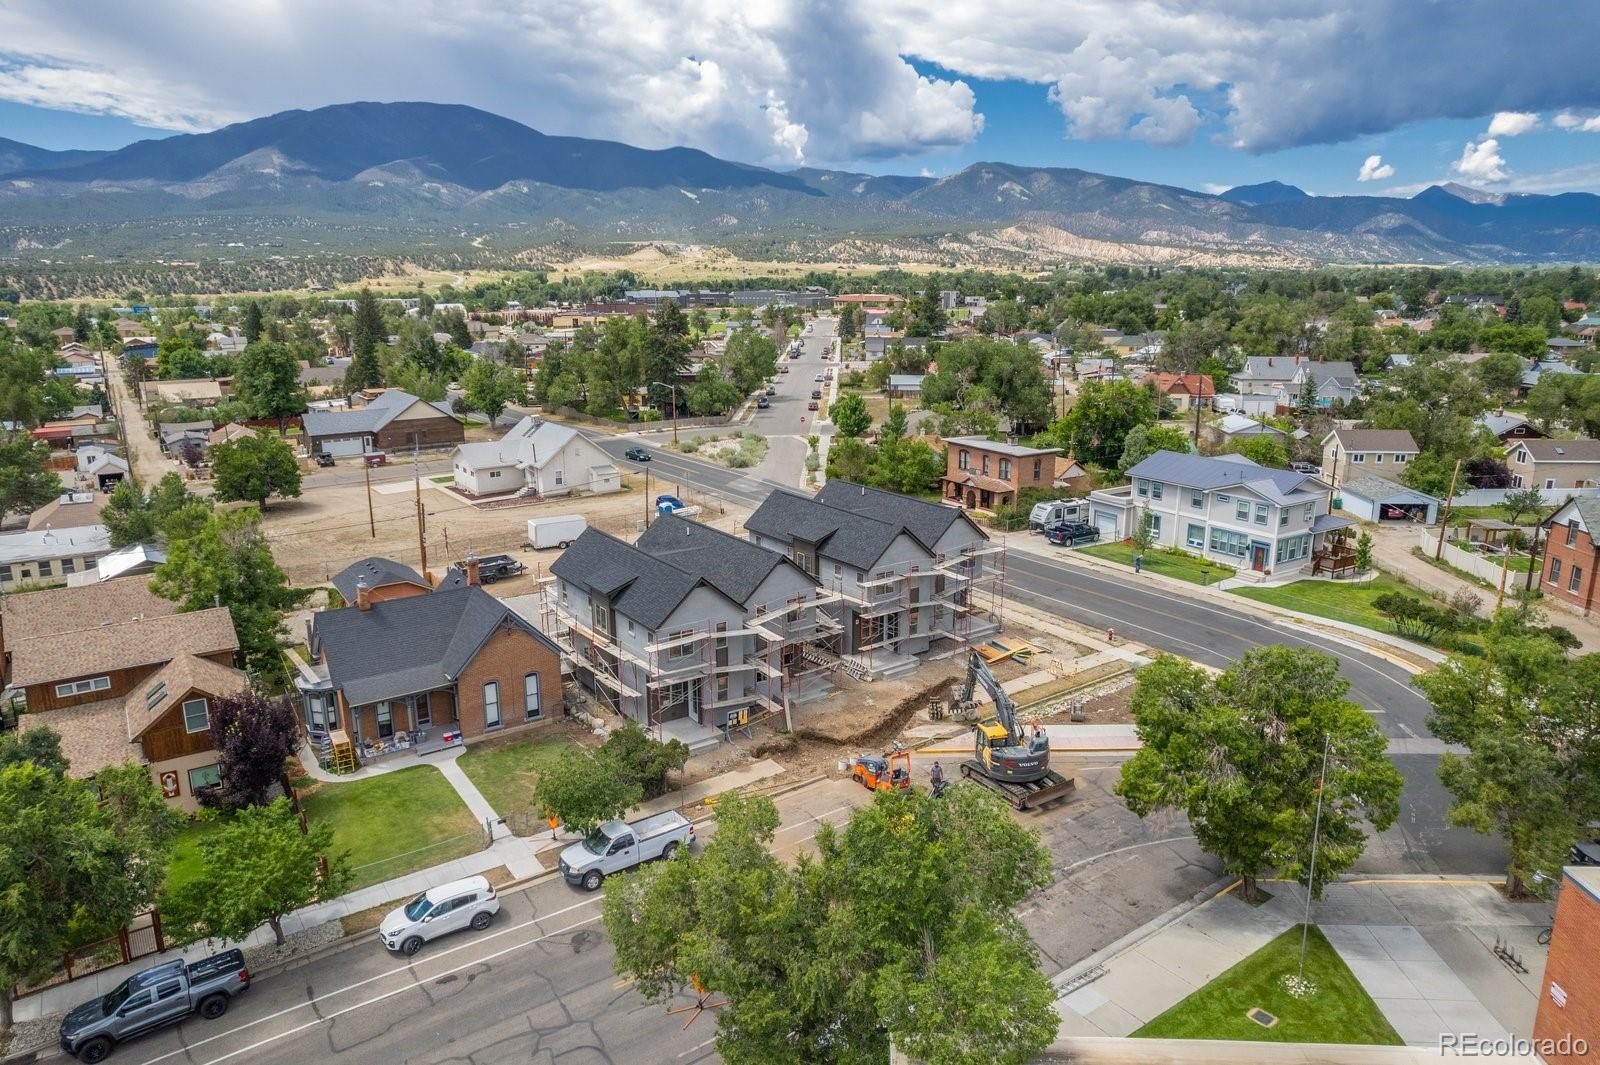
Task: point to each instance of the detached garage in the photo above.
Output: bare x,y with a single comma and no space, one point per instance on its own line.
1377,499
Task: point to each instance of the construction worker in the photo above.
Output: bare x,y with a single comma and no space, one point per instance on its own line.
936,774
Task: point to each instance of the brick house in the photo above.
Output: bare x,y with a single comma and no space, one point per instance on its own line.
983,474
394,420
1567,1024
384,578
452,663
122,676
1554,463
1572,552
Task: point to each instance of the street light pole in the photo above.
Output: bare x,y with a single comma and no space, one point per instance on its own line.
1316,831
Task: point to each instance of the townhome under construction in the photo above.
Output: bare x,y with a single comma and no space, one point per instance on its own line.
692,631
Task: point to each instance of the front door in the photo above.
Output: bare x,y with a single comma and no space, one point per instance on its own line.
421,711
1258,557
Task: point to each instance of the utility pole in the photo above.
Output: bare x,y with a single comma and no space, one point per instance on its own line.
1316,831
647,497
674,388
366,475
1533,556
1505,568
422,516
1444,519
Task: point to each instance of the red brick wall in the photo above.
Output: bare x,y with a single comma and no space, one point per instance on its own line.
1582,554
1021,468
1573,948
507,657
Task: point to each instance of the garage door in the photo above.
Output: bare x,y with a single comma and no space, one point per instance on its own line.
1106,522
342,446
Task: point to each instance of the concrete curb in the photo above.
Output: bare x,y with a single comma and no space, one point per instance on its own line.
1381,644
1216,889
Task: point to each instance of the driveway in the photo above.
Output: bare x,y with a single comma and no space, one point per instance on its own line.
144,453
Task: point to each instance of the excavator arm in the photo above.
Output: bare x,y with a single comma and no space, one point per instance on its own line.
978,673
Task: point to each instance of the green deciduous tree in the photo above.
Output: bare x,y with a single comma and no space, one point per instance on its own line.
1096,428
634,756
228,561
267,379
1145,440
1262,449
903,927
1241,756
26,481
68,864
750,359
254,468
850,415
490,387
1364,551
1529,719
257,868
583,791
168,512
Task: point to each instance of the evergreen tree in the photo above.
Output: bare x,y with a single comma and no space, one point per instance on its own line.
252,322
366,334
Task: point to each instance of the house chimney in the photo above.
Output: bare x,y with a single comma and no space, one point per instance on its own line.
363,596
472,569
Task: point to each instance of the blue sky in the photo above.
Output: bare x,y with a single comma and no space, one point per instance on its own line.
1204,94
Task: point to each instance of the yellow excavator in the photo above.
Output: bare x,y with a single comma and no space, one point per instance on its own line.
1005,760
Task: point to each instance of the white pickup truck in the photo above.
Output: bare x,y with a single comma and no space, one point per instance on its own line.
618,846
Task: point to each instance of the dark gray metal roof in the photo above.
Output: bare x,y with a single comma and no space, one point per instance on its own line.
639,585
402,646
925,521
854,539
733,566
376,571
1208,472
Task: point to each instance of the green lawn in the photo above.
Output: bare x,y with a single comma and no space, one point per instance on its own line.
505,773
1339,1012
185,864
1462,515
1185,567
396,823
1347,601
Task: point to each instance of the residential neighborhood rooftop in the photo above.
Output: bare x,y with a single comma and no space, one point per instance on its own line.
734,566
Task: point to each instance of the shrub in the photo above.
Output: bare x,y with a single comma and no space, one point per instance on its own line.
689,447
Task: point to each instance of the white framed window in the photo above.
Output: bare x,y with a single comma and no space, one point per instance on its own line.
1241,509
1224,542
82,687
1155,525
1572,533
964,460
68,566
1142,487
1156,488
45,568
530,697
1197,499
1195,536
204,776
630,626
1311,511
680,650
1283,516
1555,571
196,715
1358,456
1575,578
491,704
1549,482
493,474
1399,459
1378,459
1005,469
1261,513
5,574
561,478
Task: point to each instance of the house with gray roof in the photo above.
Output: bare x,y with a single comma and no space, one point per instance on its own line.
1379,499
391,421
905,573
535,458
381,579
390,675
1351,453
1508,427
1225,508
1572,553
662,643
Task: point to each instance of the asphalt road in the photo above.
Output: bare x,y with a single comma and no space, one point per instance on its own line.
1215,635
537,986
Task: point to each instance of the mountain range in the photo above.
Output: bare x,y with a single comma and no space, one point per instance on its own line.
392,165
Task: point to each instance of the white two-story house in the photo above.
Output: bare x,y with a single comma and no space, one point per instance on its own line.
1225,508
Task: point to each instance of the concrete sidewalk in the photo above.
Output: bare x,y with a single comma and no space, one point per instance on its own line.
517,854
1421,947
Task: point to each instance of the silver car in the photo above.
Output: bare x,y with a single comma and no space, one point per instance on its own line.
469,903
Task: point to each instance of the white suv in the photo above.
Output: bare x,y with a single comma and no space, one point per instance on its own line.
439,911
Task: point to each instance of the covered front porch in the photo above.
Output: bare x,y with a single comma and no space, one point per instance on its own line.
418,723
977,492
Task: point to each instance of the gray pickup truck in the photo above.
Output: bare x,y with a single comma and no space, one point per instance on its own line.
161,995
618,846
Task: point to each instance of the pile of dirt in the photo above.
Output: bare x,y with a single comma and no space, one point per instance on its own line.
870,714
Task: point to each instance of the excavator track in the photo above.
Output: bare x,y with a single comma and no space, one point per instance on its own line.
1035,793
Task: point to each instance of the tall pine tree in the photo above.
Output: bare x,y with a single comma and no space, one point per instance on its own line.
367,333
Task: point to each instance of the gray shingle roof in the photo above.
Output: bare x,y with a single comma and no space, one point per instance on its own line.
733,566
925,521
376,571
854,539
1588,509
1375,440
640,586
402,646
1381,489
1001,448
369,419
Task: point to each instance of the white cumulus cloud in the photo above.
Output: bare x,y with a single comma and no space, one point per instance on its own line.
1513,123
1576,123
1482,161
1375,169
